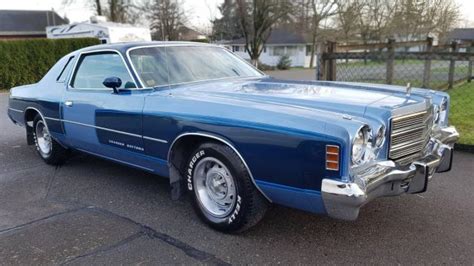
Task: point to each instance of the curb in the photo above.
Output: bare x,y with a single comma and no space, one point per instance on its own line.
464,147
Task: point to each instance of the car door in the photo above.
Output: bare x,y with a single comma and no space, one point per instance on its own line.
96,119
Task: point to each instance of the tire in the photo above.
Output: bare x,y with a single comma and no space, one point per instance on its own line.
47,148
221,188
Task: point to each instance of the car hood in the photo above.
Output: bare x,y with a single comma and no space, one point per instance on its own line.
360,100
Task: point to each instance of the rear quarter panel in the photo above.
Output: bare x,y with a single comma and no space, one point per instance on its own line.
45,96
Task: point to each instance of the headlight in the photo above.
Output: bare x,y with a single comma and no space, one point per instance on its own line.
379,138
435,114
440,113
359,144
443,112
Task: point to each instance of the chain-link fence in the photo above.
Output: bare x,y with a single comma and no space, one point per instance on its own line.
447,68
404,71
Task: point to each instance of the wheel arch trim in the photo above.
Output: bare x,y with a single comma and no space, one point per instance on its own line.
39,112
44,118
222,140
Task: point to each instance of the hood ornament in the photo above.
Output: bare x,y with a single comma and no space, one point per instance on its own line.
408,89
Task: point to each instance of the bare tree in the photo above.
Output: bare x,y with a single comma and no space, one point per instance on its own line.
120,11
406,19
448,16
320,10
98,7
347,11
257,17
115,10
374,20
167,17
302,16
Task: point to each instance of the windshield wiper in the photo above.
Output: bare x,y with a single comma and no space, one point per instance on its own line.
236,72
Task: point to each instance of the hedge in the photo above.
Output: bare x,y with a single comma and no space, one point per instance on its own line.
26,61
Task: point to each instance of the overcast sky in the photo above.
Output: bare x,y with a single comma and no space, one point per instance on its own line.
200,11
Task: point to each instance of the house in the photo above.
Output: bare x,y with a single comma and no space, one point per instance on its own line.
462,35
279,43
183,33
27,24
188,34
98,27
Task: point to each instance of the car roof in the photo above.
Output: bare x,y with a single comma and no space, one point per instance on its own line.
123,47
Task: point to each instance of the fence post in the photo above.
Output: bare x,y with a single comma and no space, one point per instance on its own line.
427,69
469,70
321,72
320,49
331,66
390,61
454,48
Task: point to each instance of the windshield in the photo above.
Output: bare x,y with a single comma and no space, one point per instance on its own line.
167,65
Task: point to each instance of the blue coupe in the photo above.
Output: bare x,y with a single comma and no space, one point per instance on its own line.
235,139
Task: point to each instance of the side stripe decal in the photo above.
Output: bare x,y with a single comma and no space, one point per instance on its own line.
15,110
108,129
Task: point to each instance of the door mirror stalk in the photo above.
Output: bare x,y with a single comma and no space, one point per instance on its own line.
113,83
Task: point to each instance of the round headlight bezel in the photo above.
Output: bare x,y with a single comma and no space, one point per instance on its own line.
360,144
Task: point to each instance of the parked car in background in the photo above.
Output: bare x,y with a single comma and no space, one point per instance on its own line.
235,139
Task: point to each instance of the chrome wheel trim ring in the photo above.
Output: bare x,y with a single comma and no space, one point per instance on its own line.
214,187
43,138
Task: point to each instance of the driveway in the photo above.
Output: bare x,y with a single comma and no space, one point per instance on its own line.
92,211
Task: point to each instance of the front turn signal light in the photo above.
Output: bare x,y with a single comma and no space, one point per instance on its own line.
332,157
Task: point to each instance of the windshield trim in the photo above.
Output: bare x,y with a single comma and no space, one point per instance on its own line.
263,75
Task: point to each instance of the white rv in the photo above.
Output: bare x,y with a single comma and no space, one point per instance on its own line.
98,27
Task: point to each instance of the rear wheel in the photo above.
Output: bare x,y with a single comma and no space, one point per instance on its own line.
47,148
223,193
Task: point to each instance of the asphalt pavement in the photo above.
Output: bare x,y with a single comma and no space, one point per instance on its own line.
92,211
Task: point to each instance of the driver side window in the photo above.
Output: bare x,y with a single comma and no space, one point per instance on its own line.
94,68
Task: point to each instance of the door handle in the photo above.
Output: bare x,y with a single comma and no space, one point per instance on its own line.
68,103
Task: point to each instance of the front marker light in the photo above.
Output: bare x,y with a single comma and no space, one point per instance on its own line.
332,157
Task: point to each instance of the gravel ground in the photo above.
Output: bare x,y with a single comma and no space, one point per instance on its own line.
92,211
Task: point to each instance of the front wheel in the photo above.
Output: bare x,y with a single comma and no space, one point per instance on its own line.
48,149
223,193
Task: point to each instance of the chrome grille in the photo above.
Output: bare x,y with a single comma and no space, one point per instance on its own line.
409,136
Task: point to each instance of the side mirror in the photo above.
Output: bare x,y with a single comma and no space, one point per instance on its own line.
113,83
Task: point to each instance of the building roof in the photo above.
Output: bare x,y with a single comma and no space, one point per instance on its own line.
278,36
464,34
28,22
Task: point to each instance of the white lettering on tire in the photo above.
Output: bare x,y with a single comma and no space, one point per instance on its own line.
189,173
236,211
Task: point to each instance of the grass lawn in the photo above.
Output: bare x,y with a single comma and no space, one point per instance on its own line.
462,111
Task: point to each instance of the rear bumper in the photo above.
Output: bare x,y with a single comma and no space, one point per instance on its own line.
343,200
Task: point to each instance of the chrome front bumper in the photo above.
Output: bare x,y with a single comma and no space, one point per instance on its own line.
343,200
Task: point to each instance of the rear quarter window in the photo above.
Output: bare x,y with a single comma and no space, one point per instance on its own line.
65,71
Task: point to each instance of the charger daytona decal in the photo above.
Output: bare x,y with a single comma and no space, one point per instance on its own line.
196,156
